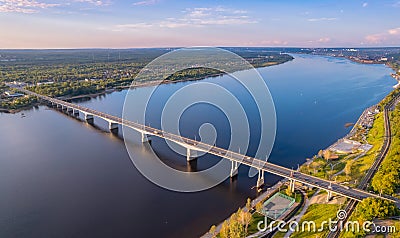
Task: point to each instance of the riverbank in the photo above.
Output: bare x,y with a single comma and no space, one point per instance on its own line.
136,85
358,164
24,108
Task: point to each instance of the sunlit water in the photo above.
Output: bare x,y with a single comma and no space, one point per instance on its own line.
60,177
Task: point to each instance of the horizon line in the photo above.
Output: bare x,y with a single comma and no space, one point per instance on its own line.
179,47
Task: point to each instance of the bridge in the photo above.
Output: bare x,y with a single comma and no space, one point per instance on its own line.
192,146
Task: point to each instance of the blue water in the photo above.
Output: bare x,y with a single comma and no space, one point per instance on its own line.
60,177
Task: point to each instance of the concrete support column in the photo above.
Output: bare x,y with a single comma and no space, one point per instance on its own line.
64,108
113,127
76,112
145,138
234,168
59,106
260,180
70,109
191,154
292,185
329,196
89,118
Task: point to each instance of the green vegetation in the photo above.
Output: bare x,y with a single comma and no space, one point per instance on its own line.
238,224
317,213
360,166
12,104
368,210
18,103
349,168
386,180
371,208
35,66
78,72
257,217
388,98
244,222
323,168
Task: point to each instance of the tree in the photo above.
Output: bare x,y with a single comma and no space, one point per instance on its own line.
320,153
224,233
236,229
327,154
245,218
347,168
371,208
385,183
259,207
248,204
212,231
289,191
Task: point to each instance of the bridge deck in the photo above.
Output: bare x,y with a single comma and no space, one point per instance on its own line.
356,194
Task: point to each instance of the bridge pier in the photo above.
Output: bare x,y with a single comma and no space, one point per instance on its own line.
113,127
328,196
70,109
260,180
292,185
145,138
76,112
64,108
234,168
191,154
89,118
59,106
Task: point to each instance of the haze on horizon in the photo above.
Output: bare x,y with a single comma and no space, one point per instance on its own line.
169,23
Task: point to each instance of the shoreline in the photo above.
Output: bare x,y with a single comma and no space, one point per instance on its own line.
283,180
24,108
134,85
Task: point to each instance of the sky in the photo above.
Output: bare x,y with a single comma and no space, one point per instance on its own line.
168,23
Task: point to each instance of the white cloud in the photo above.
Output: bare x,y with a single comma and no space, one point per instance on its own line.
389,36
365,4
375,38
199,12
324,40
272,43
95,2
140,25
198,17
322,19
145,3
24,6
395,31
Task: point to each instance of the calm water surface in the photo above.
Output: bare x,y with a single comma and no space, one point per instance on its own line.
60,177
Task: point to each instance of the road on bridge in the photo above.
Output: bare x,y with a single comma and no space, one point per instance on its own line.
262,166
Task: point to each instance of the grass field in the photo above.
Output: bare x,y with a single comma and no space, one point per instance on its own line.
317,213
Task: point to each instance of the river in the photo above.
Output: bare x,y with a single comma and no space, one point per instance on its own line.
60,177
